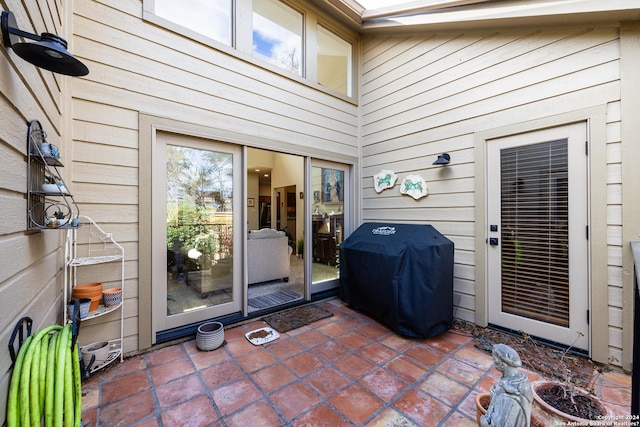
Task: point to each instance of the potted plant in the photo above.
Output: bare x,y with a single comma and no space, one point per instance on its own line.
300,248
556,403
57,218
561,401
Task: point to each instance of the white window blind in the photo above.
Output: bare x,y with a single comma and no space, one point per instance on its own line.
534,235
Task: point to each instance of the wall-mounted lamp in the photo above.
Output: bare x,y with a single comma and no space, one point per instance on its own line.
48,52
443,159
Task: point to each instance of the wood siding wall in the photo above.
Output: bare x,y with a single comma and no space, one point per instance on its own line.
31,272
137,68
427,94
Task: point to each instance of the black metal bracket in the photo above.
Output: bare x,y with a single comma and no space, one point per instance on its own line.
19,331
75,323
75,331
23,328
86,371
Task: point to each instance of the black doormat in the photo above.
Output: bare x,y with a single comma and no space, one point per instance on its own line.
276,298
296,317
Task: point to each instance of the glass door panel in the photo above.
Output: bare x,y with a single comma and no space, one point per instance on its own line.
198,230
275,265
328,185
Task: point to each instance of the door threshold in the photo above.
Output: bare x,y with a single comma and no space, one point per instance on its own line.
235,319
548,343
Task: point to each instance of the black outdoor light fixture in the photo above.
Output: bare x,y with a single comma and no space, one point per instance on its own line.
443,159
48,52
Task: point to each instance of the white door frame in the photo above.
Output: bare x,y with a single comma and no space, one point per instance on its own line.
577,333
597,117
348,206
149,127
160,320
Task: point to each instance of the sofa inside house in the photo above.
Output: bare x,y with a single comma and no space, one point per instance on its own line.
268,254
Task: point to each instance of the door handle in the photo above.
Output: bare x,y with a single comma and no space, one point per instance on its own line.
493,241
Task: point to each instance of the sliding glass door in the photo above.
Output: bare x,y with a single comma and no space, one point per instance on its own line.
329,187
196,228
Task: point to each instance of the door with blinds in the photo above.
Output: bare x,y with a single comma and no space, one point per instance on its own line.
538,272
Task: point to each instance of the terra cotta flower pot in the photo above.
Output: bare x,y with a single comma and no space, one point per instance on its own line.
89,290
543,414
482,401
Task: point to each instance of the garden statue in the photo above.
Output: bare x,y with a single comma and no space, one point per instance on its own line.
512,396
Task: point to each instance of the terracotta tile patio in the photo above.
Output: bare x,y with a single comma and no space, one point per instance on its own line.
346,370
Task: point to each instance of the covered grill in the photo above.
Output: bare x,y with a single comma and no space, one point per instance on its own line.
400,274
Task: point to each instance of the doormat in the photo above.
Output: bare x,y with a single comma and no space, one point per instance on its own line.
276,298
296,317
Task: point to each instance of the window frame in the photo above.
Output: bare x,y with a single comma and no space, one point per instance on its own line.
242,47
303,43
351,78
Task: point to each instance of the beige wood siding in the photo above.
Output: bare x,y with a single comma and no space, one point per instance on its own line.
31,273
138,68
427,94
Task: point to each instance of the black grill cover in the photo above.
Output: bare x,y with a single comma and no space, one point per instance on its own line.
400,274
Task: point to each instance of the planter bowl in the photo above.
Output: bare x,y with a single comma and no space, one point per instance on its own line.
112,296
50,188
99,349
84,305
543,414
210,336
54,188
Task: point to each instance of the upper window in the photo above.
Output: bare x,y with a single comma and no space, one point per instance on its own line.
209,18
277,35
283,33
335,63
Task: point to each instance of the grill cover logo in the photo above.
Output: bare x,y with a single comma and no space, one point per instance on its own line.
384,231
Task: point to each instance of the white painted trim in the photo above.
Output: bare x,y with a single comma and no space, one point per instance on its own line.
596,117
630,105
511,13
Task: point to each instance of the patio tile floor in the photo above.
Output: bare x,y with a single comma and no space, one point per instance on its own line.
346,370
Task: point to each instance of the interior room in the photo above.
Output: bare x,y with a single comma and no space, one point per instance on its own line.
275,203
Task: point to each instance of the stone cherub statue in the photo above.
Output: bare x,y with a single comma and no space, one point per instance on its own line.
511,397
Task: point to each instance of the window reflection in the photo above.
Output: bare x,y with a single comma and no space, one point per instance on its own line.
209,18
327,222
277,35
199,228
334,62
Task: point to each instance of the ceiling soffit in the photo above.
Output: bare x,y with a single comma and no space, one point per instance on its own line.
442,15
